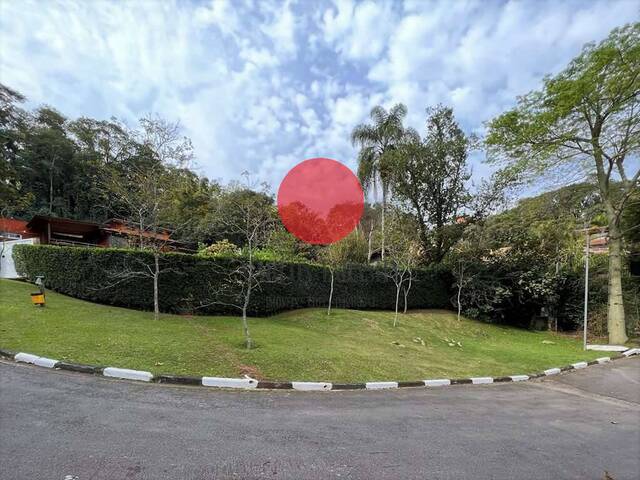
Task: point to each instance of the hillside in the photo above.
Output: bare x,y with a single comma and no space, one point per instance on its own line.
299,345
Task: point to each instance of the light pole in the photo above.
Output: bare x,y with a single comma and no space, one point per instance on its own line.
586,290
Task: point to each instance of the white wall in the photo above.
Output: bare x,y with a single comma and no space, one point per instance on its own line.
7,268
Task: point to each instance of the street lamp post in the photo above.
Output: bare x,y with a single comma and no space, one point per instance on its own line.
586,291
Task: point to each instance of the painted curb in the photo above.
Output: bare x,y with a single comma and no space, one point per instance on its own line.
229,382
311,386
45,362
442,382
79,367
251,383
127,374
7,353
481,380
380,385
25,357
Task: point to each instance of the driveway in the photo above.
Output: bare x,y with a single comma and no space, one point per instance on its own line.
58,425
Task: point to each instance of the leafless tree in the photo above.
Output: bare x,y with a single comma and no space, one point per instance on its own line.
407,288
333,257
145,195
401,259
250,216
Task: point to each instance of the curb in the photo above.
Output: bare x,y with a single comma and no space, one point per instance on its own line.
248,383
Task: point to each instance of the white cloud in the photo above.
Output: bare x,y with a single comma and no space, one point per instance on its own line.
220,13
282,29
263,85
358,31
477,57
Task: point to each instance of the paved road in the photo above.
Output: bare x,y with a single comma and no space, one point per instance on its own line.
56,424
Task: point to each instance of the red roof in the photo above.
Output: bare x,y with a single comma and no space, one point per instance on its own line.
13,225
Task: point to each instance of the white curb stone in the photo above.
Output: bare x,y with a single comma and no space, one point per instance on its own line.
631,351
603,360
229,382
441,382
45,362
127,374
25,357
481,380
552,371
579,365
607,348
308,386
380,385
519,378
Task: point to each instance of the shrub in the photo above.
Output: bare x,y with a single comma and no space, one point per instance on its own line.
186,281
222,248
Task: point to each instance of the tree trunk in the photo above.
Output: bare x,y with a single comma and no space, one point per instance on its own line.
460,292
245,305
395,320
369,247
384,207
53,163
156,274
615,318
245,326
406,292
330,293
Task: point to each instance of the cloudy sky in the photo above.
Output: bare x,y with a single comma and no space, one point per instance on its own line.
262,85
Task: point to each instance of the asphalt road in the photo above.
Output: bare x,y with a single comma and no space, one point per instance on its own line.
58,425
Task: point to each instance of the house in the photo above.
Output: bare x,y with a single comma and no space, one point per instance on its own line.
14,229
66,232
48,230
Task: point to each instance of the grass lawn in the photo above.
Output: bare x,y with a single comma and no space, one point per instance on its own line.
349,345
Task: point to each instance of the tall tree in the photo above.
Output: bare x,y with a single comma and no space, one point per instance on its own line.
14,195
431,176
586,118
377,141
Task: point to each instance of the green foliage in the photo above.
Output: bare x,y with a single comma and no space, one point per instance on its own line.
377,141
187,281
351,249
222,248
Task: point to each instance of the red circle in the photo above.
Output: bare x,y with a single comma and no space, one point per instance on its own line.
320,201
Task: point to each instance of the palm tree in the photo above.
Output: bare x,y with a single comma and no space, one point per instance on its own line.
377,142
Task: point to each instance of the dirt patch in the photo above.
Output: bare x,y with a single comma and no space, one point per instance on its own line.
372,324
251,371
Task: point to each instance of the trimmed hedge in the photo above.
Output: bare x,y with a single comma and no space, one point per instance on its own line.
186,282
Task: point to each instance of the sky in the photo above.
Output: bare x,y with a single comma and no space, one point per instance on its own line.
262,85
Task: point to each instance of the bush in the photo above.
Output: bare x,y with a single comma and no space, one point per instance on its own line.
186,281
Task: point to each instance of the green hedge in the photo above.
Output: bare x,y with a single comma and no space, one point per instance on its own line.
186,281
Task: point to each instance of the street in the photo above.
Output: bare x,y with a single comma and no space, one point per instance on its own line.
56,425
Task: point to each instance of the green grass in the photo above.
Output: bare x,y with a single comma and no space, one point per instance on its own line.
349,345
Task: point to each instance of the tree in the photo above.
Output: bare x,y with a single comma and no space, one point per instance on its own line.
431,176
144,197
253,224
12,122
376,142
331,258
403,253
586,119
351,249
